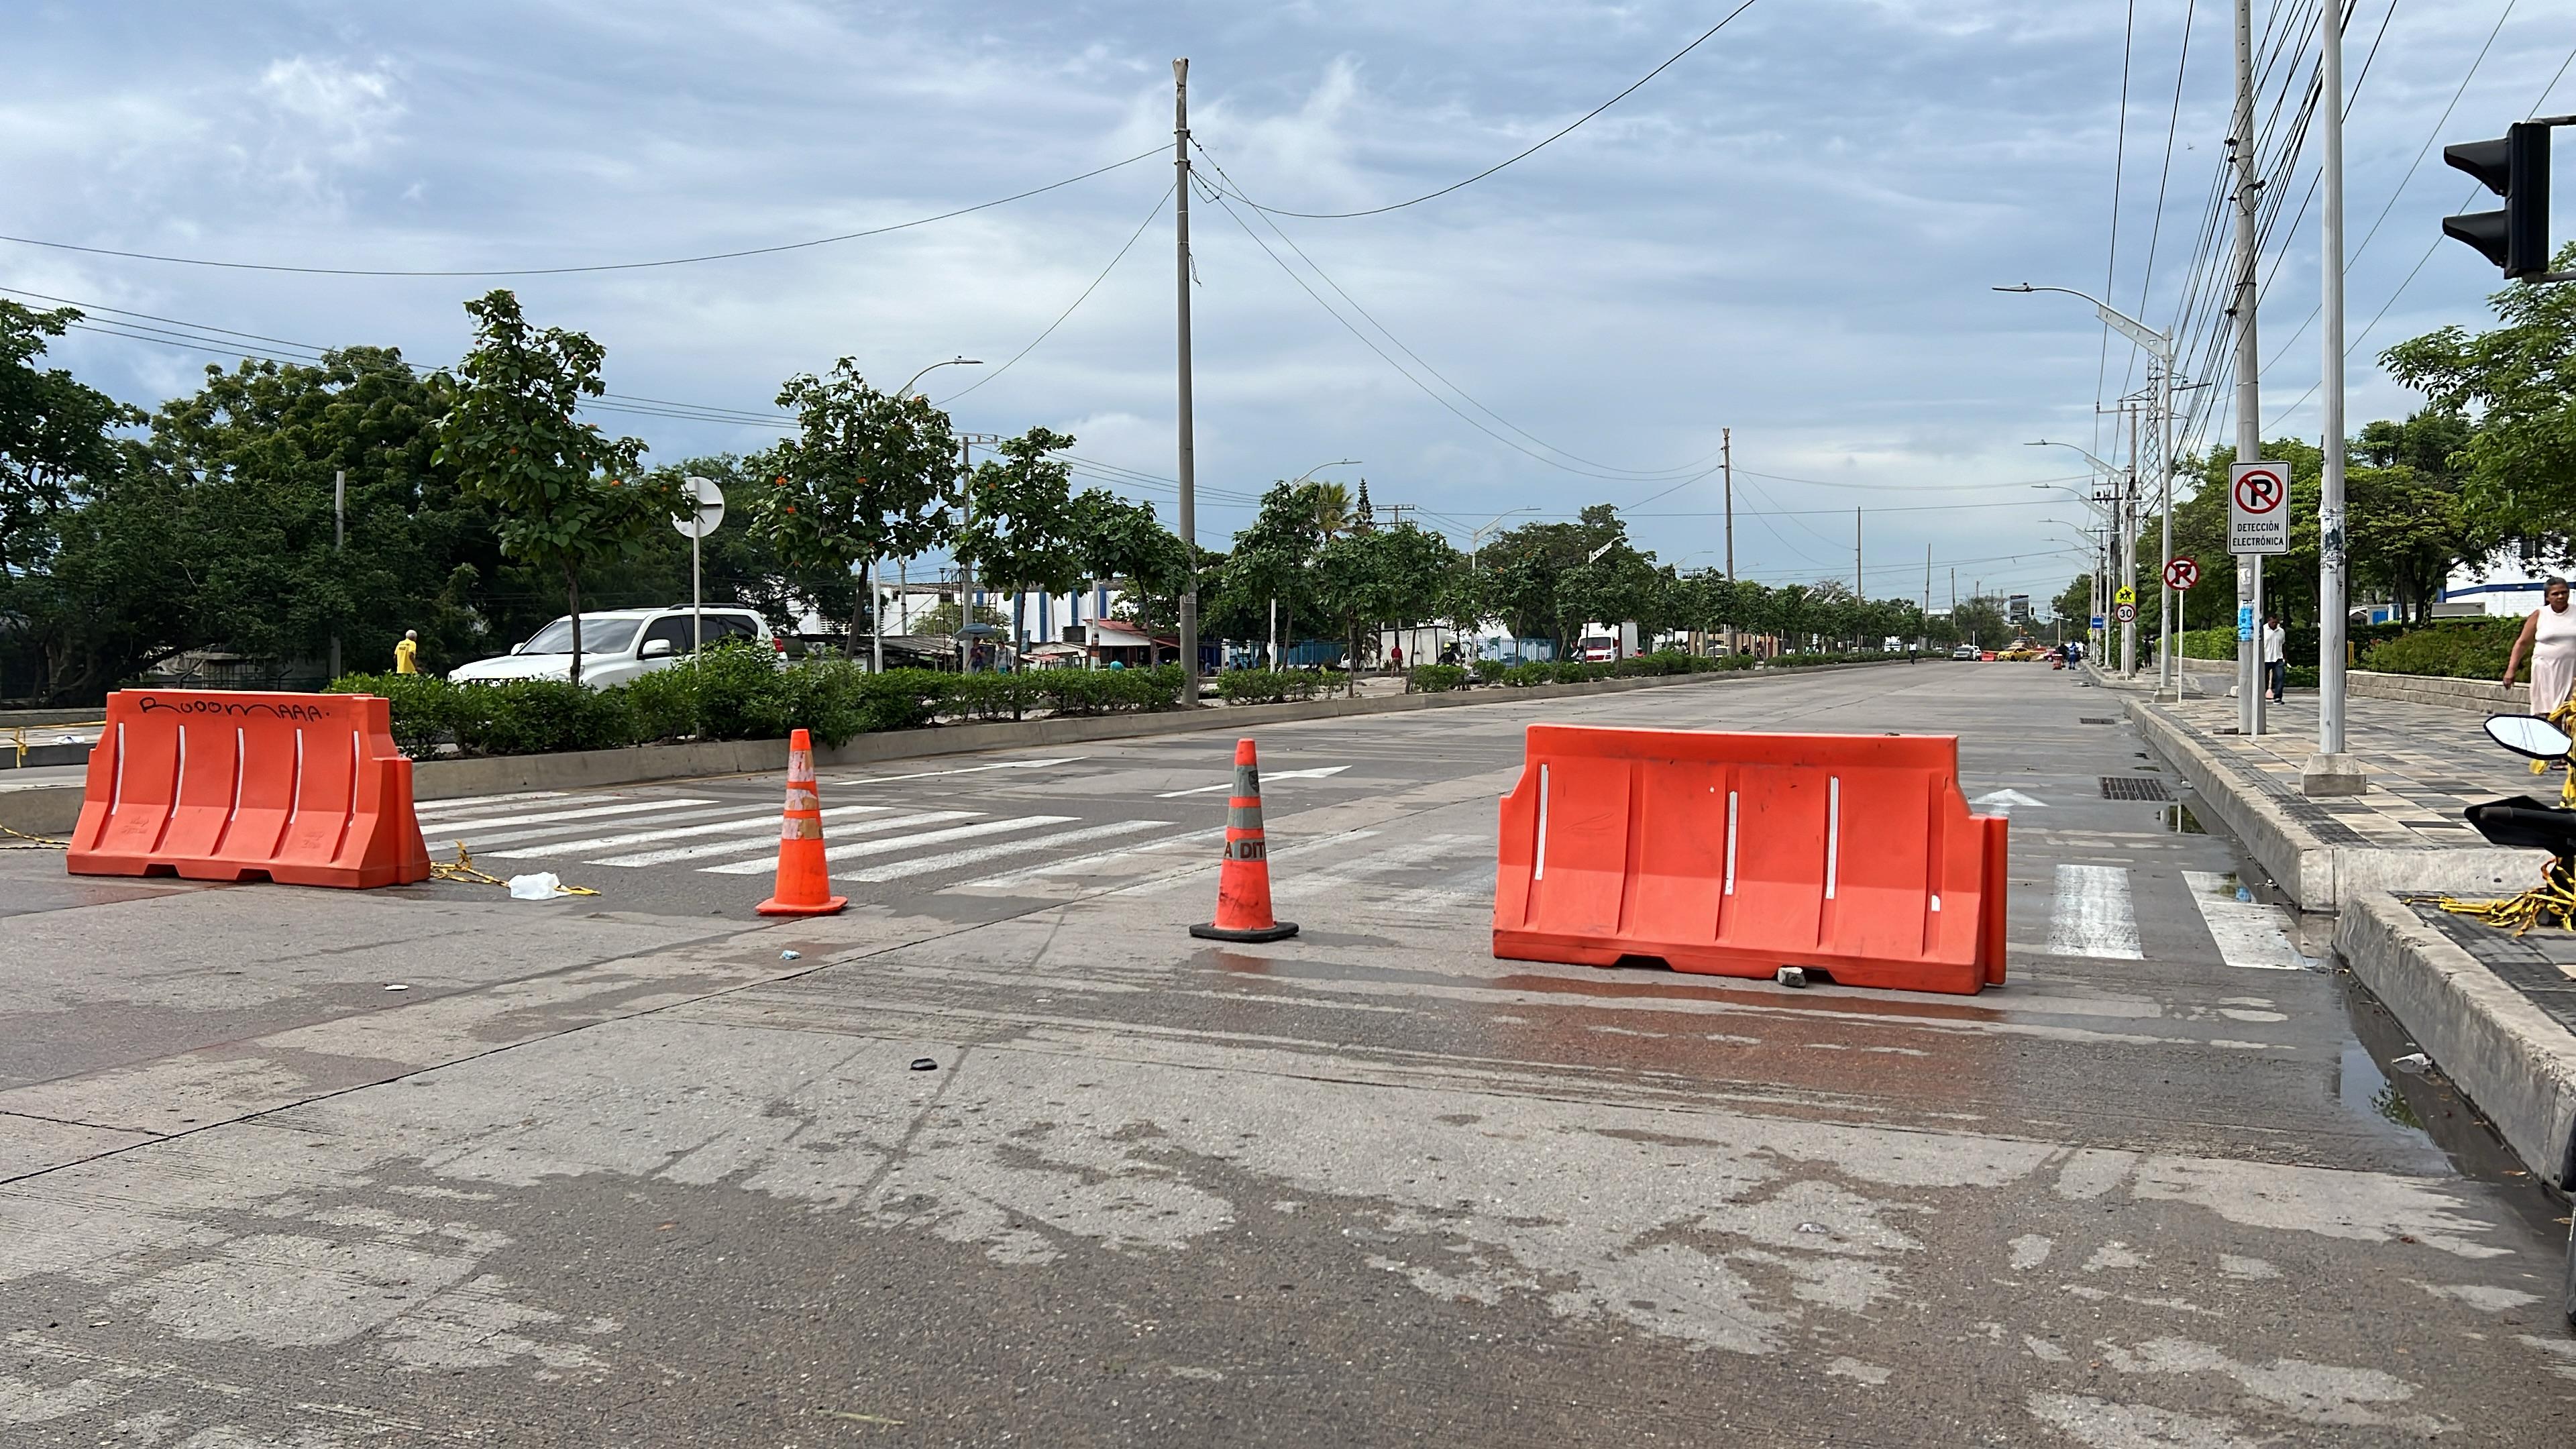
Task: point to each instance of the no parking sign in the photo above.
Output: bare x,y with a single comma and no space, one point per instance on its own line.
2258,508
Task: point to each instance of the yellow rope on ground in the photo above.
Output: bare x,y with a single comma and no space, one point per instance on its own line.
462,868
2553,900
2564,716
34,842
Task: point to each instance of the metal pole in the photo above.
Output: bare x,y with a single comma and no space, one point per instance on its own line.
339,541
966,567
1274,623
1726,462
876,616
2168,648
2331,771
2128,516
1858,596
2249,363
1187,440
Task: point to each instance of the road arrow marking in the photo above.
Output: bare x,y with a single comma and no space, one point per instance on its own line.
2003,801
1317,773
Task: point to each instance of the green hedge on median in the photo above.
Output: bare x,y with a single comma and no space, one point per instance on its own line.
736,692
2455,649
1266,686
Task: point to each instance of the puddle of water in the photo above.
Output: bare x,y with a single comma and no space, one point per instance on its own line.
2367,1091
2180,821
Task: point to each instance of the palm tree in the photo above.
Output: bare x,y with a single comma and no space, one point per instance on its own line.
1332,505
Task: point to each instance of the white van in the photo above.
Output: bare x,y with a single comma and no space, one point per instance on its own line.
618,646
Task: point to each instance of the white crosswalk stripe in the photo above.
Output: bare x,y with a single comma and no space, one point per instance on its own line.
1344,874
977,855
1086,864
480,802
895,845
2249,934
543,817
767,844
741,824
2093,915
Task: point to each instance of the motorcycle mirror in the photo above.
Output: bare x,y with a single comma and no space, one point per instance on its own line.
2530,735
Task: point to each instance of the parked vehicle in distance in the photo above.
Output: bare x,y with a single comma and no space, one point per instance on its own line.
618,646
1964,651
1596,649
1988,655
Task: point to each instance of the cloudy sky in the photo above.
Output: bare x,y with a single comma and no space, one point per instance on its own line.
1791,232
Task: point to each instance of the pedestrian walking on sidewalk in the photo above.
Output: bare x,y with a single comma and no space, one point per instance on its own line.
2276,663
2550,635
407,652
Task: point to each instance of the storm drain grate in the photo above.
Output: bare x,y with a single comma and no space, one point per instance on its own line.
2088,719
2128,787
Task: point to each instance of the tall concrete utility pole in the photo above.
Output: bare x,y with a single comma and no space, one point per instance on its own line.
2330,771
2249,386
2169,598
339,541
1726,464
2129,554
1924,641
1857,595
1188,440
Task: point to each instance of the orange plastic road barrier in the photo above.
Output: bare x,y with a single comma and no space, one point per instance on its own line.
1738,854
1243,883
804,877
223,785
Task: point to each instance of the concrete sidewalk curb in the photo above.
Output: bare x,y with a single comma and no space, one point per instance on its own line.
54,808
2319,876
2509,1057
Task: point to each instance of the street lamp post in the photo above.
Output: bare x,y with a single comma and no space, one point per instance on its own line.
2159,346
2101,594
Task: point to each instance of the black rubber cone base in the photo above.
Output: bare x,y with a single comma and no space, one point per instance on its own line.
1276,931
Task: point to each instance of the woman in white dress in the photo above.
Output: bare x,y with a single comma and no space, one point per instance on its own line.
2550,635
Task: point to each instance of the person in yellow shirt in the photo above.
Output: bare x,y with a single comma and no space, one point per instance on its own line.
407,652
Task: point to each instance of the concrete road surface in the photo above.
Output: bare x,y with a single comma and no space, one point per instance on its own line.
1004,1156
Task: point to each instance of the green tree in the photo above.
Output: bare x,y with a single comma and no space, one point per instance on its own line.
2075,601
2519,463
57,434
1022,531
865,477
1120,538
568,496
1274,559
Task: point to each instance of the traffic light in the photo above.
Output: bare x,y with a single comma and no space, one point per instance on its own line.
2517,169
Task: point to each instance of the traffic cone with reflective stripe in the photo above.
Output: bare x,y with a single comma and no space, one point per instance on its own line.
1243,885
804,877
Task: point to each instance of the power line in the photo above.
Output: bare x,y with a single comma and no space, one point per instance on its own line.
593,267
2119,163
1522,156
1698,464
1156,211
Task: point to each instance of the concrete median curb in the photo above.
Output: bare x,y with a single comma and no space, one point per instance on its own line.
2318,874
53,807
2515,1063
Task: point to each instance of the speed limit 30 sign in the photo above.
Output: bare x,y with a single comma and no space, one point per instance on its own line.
2258,508
2182,573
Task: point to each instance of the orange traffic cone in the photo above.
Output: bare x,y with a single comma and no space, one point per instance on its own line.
1243,887
804,878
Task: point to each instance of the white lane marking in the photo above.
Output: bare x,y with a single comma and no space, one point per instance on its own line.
898,843
951,860
588,812
2249,933
1081,863
2094,916
1346,873
961,770
1267,776
649,837
764,842
477,802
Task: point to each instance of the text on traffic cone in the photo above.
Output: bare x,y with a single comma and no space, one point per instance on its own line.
1243,881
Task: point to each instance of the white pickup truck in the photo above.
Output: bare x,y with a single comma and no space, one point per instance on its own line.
618,646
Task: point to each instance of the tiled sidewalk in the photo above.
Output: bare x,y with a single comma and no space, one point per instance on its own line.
2426,765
